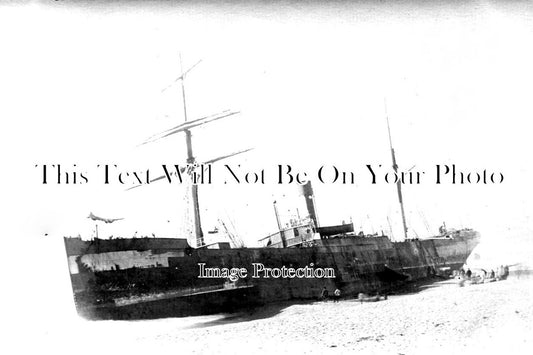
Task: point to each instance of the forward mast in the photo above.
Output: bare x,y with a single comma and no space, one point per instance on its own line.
186,127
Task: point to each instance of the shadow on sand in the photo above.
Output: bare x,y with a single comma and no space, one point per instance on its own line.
252,313
273,309
421,285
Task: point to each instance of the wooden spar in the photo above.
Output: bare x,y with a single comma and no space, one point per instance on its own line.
182,169
188,125
191,160
395,167
214,160
182,76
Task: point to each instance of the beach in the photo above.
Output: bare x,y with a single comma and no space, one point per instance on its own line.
439,317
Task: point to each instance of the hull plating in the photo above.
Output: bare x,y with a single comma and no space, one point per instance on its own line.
166,281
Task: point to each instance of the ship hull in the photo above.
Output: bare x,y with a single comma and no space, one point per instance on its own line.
173,287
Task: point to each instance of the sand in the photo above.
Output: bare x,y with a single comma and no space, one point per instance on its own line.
492,318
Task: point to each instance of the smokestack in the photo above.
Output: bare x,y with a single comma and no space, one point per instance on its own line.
307,191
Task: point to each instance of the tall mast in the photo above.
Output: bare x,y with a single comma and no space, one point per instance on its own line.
186,127
395,167
190,160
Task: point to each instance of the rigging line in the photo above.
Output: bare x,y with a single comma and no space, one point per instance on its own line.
424,220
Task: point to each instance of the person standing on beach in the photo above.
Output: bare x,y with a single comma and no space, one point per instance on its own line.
325,293
500,272
337,295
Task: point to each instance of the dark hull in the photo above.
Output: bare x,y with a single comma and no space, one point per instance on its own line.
222,301
360,264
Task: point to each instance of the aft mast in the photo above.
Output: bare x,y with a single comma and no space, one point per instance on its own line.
395,167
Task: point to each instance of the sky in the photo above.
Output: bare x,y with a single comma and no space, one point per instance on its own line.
82,84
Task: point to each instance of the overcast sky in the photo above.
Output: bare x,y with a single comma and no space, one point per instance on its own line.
82,84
